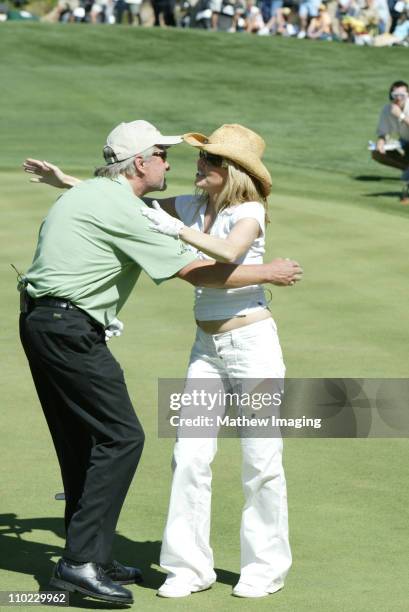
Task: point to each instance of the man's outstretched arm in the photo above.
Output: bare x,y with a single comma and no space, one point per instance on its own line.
281,272
49,174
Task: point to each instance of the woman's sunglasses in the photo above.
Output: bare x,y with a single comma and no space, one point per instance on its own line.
213,160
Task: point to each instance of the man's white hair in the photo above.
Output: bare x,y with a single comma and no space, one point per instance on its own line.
126,167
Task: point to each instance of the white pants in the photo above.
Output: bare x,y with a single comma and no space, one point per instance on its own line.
252,351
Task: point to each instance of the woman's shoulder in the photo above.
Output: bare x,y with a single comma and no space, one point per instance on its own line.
246,209
249,203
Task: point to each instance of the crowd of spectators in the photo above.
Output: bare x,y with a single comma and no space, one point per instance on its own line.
363,22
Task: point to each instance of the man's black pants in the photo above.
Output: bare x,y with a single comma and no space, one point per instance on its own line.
96,434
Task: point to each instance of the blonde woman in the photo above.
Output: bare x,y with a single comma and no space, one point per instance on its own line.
236,339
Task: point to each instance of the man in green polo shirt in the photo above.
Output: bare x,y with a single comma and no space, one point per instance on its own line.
94,244
91,250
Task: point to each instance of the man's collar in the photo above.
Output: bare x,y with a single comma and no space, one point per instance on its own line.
123,181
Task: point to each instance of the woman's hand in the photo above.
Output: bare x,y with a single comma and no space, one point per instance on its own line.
45,172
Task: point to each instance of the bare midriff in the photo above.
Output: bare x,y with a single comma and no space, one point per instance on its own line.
224,325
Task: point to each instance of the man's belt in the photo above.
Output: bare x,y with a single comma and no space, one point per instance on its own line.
48,301
54,302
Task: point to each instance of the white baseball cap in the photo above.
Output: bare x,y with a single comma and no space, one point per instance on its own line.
129,139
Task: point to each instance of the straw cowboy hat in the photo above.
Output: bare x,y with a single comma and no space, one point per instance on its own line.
239,145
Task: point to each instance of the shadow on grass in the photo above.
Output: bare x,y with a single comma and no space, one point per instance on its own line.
392,207
226,577
375,178
383,194
36,559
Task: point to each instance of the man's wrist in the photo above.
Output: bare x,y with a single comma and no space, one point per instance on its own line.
265,274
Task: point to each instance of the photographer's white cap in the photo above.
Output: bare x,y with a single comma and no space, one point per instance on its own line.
129,139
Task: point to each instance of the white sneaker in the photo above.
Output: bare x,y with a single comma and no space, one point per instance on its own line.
246,590
301,34
178,588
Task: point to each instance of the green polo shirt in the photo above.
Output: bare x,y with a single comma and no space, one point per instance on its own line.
93,245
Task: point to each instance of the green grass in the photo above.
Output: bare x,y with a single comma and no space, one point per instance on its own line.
64,88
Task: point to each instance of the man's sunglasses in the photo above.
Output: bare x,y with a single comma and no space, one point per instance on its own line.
162,154
398,94
213,160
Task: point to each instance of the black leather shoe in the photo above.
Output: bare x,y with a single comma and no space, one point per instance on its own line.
122,573
88,579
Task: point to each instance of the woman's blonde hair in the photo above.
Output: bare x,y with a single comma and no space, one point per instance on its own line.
240,187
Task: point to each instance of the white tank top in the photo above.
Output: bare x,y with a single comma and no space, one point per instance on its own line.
214,304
